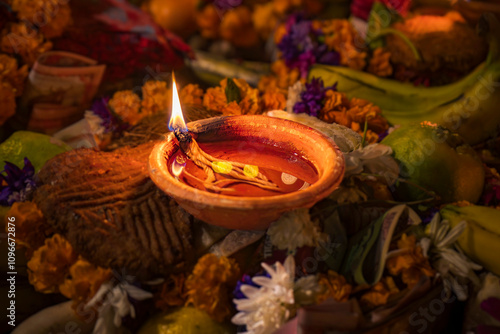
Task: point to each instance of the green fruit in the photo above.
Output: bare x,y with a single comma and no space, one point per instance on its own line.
186,320
38,148
437,160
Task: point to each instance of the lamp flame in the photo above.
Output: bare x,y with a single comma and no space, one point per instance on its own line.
176,121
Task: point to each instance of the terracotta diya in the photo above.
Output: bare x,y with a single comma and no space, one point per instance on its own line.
243,172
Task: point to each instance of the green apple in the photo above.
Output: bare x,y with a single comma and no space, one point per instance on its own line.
435,159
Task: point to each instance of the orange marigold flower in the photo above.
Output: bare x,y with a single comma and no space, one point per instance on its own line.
380,64
231,109
25,41
286,77
379,294
237,27
341,37
127,104
283,6
208,21
410,262
172,292
280,32
363,110
334,286
39,12
61,19
156,97
9,72
209,286
265,19
50,264
31,226
7,101
83,281
215,99
268,83
273,100
250,106
191,94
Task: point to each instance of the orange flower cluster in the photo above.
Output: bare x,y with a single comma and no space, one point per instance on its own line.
334,286
380,64
50,264
191,95
250,100
172,293
19,38
209,286
353,114
379,294
342,37
156,97
126,104
31,227
83,281
410,262
282,77
56,267
10,73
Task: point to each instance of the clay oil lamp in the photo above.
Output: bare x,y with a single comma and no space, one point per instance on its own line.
243,172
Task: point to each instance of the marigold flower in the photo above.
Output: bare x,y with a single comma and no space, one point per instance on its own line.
250,106
379,294
61,19
208,21
231,109
410,262
127,104
237,27
31,226
191,94
341,37
265,19
268,83
273,100
210,285
283,6
39,12
214,99
334,286
172,292
286,77
380,64
9,72
50,264
83,281
155,97
25,41
7,101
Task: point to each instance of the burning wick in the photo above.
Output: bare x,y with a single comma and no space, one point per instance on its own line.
238,171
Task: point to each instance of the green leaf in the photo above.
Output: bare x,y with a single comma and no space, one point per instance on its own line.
380,17
232,92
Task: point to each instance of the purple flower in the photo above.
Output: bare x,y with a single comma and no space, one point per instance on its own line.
312,98
110,121
324,56
16,184
246,280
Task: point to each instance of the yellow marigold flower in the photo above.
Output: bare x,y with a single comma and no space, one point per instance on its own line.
380,64
210,285
50,264
83,281
265,19
21,39
31,227
231,109
7,101
61,19
334,286
172,292
410,262
191,94
127,104
237,27
208,21
215,99
156,97
379,294
273,100
11,74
